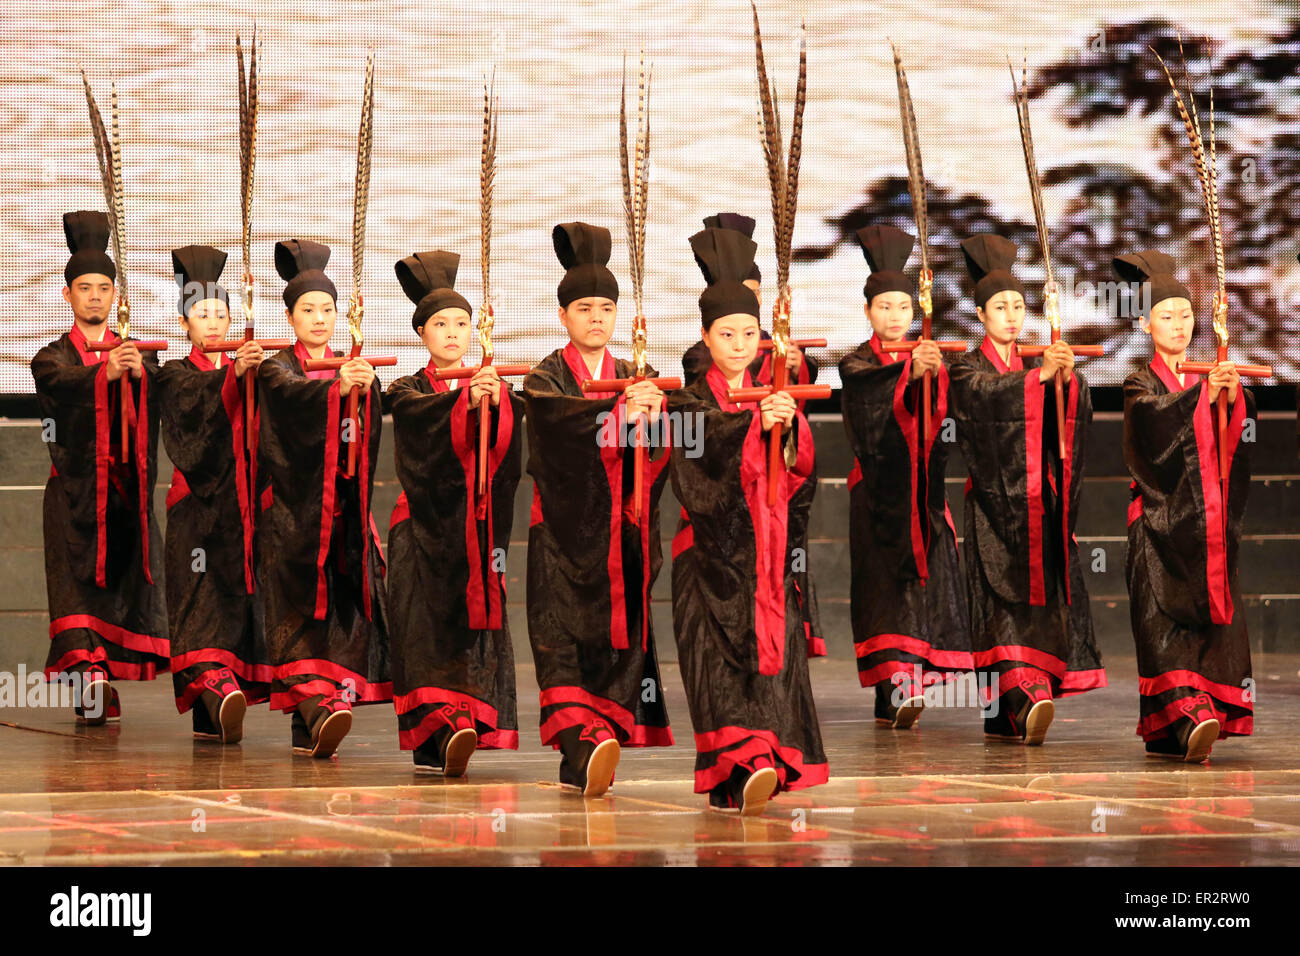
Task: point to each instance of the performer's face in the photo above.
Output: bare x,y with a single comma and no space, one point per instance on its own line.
446,335
756,287
313,318
890,315
732,342
1003,315
1170,325
91,297
590,321
208,322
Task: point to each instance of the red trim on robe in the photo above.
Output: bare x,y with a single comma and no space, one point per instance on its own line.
261,673
115,633
120,670
178,490
1169,377
1135,505
1070,388
579,714
401,512
232,399
905,643
535,512
483,603
746,745
1034,399
1205,425
331,464
1172,680
991,353
334,674
985,660
907,424
855,474
611,455
1076,682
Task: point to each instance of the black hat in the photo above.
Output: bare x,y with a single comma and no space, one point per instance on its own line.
427,279
197,270
87,233
583,250
1155,270
886,249
724,257
734,220
988,260
301,263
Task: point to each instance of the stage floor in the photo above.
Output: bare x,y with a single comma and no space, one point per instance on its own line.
146,793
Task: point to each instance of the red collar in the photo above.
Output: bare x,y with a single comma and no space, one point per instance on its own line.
718,385
443,385
201,360
991,353
578,366
303,356
1169,377
79,341
885,357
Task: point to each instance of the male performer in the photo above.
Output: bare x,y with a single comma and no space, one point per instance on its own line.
319,565
590,568
103,553
736,617
218,654
803,371
453,666
1031,627
1184,601
908,612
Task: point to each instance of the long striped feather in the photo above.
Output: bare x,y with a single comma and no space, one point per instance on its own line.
912,151
361,194
1021,91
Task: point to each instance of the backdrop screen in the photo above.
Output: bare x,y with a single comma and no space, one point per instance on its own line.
1117,172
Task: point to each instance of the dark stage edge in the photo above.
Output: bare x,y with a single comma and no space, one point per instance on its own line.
146,793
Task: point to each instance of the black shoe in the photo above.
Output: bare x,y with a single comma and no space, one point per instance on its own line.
898,718
591,755
446,753
330,723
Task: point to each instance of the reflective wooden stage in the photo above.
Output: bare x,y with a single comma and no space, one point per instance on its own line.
145,792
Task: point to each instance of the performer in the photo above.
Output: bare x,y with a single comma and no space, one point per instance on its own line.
319,565
909,615
803,370
453,667
1184,601
590,568
219,661
697,361
1031,627
736,614
103,552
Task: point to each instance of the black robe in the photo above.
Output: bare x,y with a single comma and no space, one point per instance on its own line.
213,611
103,552
590,569
906,601
319,564
1031,626
696,363
1189,623
452,659
740,636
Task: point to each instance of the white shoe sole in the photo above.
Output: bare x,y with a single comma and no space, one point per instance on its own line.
759,789
600,768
